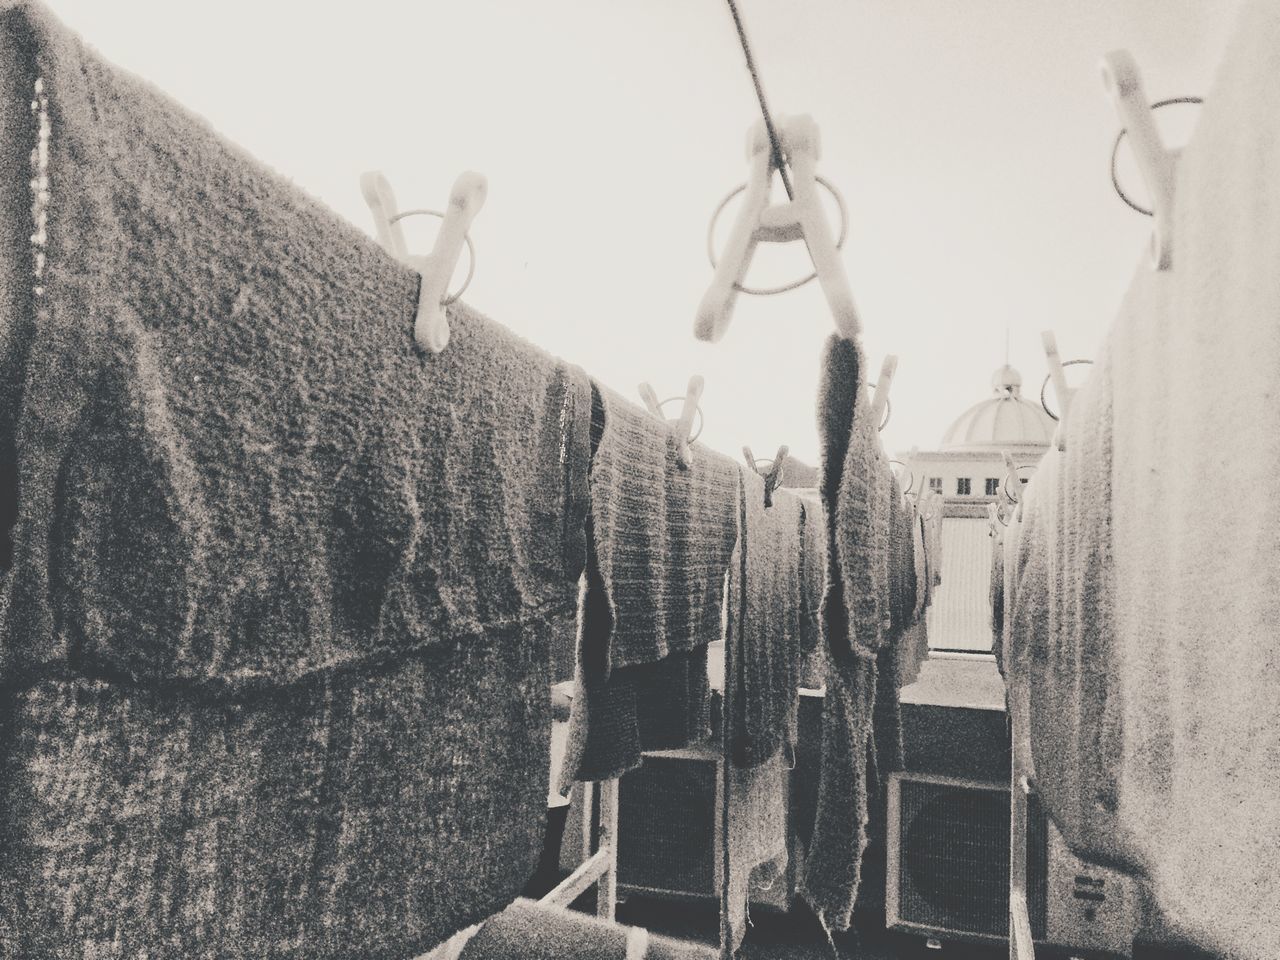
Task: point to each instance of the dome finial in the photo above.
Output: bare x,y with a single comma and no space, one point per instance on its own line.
1006,381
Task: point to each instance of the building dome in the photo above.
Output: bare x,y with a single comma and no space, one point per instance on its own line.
1004,421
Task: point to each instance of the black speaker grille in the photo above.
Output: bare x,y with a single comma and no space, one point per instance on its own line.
666,826
954,859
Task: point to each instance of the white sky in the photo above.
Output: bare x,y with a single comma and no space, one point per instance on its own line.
970,139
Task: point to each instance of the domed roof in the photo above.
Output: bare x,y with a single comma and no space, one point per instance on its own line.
1004,421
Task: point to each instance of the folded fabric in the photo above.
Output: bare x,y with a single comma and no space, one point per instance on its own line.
764,588
275,629
856,485
528,931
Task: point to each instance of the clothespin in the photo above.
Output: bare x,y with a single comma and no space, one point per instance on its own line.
431,326
1011,479
1056,373
773,475
880,399
684,425
1122,81
801,218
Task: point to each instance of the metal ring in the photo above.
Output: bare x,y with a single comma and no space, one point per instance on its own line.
1115,152
771,291
888,408
782,471
471,251
1044,386
1018,477
697,433
911,473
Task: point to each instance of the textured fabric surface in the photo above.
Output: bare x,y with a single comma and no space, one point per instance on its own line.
1197,582
1147,630
1072,675
996,595
657,558
813,572
856,485
765,588
662,533
529,931
758,802
275,634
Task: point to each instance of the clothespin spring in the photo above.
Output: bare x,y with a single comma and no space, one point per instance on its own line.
780,238
466,238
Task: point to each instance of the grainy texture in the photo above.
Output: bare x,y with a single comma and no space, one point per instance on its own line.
1074,707
662,534
529,931
765,587
659,538
856,489
275,634
1151,646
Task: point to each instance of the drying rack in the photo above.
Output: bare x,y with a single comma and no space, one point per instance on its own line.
599,807
1021,945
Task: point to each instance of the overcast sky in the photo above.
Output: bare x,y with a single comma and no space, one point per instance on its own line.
970,139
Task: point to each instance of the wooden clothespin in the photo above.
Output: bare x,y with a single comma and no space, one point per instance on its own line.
801,218
772,474
684,425
431,326
1122,81
880,399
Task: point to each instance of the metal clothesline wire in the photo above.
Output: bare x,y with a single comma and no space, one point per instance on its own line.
779,161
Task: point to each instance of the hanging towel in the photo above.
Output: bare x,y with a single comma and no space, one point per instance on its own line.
1195,528
657,558
813,571
529,931
765,587
662,533
1074,708
274,638
757,833
856,481
996,596
908,653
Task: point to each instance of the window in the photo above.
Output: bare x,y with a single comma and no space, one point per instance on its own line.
993,486
962,487
935,485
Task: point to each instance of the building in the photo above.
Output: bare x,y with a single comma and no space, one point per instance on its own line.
968,470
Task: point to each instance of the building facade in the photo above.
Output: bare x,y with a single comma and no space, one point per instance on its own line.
968,470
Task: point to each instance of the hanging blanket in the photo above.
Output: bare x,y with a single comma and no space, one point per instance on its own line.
275,615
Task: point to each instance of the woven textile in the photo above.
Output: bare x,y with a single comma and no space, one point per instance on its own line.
274,627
